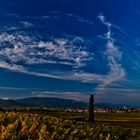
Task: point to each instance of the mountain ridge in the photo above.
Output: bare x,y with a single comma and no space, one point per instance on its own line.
43,102
50,102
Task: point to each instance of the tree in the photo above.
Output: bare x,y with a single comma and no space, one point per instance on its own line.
91,110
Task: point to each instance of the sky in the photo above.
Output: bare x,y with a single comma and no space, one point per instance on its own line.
70,49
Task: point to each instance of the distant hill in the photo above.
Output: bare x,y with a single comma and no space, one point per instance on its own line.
43,102
9,103
52,102
55,103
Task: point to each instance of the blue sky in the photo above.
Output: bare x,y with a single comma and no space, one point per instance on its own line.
70,49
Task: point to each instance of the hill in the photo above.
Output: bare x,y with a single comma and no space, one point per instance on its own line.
56,103
43,102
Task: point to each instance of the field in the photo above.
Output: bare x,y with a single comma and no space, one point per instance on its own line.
125,120
68,126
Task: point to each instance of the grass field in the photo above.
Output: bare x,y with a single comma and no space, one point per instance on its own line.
126,120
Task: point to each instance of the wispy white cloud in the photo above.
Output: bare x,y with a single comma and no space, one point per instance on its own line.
13,88
57,14
26,24
20,51
80,76
5,98
66,95
116,72
103,94
22,69
31,51
13,67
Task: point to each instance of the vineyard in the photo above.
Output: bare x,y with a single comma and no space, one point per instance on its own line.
33,126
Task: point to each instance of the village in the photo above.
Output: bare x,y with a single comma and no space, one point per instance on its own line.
106,110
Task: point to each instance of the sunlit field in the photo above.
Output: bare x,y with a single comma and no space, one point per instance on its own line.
69,126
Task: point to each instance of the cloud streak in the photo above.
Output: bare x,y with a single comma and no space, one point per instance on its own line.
116,72
22,52
18,47
66,95
18,52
